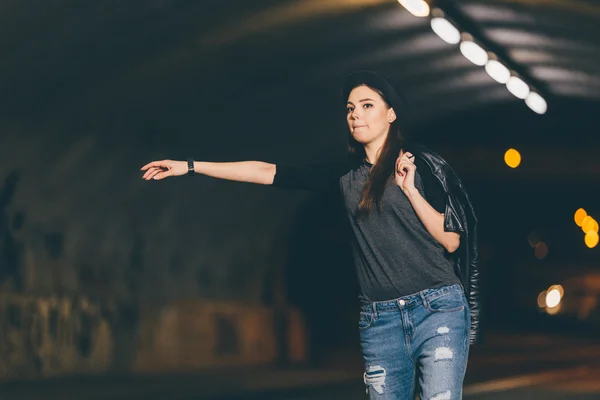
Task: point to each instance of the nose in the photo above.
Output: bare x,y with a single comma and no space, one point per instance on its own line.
355,114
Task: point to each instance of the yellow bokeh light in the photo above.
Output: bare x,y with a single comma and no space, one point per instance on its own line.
541,300
553,298
580,214
512,158
591,239
590,225
559,288
584,222
553,310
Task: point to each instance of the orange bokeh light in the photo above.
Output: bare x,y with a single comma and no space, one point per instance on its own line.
512,158
580,214
591,239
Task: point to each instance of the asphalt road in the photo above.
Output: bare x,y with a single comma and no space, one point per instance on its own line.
509,367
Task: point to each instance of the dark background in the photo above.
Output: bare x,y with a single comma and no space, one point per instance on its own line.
91,91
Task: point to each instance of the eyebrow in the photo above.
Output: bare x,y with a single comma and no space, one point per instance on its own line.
360,101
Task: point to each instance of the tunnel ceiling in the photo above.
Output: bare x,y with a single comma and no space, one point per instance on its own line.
68,55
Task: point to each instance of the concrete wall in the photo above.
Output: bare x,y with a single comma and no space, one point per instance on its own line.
51,336
191,335
76,218
94,261
44,337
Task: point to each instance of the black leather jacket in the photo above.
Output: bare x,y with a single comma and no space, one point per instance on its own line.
459,217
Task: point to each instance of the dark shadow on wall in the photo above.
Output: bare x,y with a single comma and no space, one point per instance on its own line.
320,275
11,250
126,315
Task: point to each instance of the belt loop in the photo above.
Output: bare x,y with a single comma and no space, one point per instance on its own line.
423,298
375,310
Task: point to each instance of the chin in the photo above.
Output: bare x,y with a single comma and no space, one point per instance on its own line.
360,138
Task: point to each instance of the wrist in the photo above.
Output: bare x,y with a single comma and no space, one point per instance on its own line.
411,192
198,167
191,168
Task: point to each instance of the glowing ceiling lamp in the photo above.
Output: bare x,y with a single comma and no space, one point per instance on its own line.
497,71
418,8
474,53
517,87
445,30
536,103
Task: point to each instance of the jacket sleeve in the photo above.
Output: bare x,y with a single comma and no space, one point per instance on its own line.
434,193
471,262
459,216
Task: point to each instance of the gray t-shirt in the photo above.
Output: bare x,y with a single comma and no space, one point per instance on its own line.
393,252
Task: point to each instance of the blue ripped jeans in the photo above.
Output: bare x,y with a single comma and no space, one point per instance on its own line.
424,335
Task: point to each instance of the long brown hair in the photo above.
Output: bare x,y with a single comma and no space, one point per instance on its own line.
384,167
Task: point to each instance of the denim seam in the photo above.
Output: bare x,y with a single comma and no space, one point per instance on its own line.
427,299
438,294
448,310
406,338
467,329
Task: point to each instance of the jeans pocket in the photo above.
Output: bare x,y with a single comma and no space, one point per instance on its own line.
366,320
447,302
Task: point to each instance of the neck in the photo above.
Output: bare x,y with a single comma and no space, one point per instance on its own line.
373,149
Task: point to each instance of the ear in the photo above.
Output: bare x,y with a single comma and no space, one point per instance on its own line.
391,115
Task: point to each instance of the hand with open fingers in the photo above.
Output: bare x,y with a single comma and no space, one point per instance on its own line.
405,171
158,170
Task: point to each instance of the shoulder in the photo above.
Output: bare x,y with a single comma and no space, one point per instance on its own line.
425,159
425,154
428,170
436,164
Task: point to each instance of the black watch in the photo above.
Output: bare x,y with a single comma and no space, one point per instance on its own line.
191,170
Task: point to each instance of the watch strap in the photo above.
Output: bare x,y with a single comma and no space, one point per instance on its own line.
191,170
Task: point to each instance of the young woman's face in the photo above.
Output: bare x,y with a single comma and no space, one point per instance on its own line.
368,115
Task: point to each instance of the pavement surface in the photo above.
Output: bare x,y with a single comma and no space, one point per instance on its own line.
508,367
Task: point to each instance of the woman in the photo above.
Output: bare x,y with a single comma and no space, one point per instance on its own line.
414,319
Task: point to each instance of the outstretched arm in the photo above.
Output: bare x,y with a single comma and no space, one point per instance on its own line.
242,171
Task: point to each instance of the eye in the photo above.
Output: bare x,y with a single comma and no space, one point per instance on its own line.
367,105
349,109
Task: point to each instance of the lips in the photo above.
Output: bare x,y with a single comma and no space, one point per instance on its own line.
358,126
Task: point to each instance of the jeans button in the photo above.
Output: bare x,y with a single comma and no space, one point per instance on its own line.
402,302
